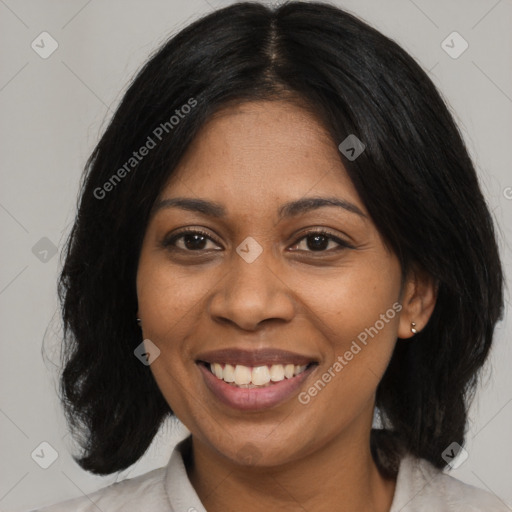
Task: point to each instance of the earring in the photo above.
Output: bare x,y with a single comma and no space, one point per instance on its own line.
138,321
413,328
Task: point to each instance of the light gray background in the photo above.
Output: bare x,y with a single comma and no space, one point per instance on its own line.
53,112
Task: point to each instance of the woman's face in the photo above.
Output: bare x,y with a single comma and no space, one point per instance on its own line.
260,289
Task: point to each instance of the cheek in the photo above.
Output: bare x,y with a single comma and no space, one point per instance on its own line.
169,304
357,314
352,300
169,300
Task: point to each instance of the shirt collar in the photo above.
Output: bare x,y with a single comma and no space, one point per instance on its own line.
183,497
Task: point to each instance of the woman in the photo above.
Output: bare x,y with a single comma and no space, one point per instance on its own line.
280,234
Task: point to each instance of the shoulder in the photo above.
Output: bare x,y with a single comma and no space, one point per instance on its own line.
423,487
145,492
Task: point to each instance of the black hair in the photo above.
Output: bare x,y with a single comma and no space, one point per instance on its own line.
415,178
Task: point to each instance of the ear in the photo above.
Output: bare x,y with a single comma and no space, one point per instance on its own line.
418,301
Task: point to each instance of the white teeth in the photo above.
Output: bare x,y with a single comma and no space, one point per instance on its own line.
260,375
229,373
288,371
242,374
217,370
299,369
247,377
276,372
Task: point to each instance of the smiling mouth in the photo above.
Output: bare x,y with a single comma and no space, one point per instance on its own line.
242,376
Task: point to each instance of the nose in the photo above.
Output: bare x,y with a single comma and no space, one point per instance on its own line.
252,293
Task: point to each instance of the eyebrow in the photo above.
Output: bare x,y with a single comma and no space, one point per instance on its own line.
286,210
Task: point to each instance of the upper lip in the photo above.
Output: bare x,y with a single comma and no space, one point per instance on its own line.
260,357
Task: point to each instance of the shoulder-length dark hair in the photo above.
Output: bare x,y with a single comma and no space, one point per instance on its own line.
415,178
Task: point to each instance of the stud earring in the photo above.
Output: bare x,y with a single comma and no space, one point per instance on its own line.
139,321
413,328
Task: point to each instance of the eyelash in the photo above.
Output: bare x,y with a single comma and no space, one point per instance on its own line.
169,243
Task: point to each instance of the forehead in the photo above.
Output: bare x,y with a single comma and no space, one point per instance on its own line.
261,151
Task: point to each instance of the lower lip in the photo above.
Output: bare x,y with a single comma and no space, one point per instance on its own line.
252,399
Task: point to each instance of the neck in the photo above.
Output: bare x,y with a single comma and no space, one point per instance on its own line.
341,476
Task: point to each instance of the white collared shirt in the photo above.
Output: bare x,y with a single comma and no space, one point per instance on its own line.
420,487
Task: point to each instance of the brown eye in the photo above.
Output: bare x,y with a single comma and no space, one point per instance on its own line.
319,241
190,241
194,241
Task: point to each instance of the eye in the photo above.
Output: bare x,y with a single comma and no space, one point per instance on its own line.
319,241
191,240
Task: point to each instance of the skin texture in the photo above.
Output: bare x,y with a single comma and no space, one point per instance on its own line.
251,158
